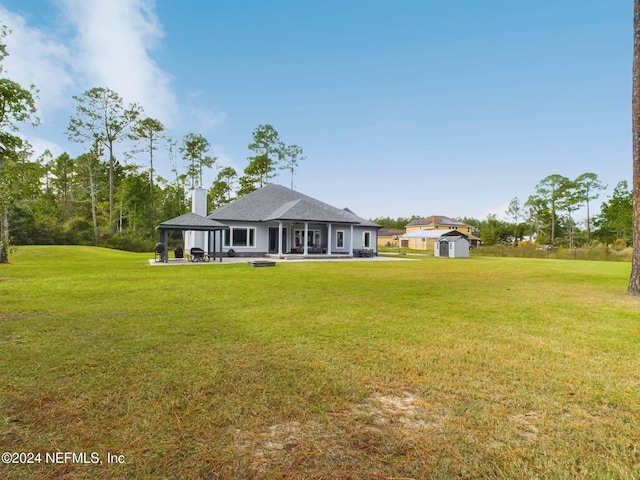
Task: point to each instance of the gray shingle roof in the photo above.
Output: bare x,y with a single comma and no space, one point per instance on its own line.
275,202
437,220
191,221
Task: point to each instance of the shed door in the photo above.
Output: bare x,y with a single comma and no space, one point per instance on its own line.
444,248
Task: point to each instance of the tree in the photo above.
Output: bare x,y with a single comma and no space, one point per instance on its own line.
62,170
101,117
634,278
246,184
493,231
17,105
220,192
149,132
89,165
395,223
538,215
587,186
20,188
292,154
193,150
615,220
173,201
569,202
514,209
258,170
268,150
551,191
134,199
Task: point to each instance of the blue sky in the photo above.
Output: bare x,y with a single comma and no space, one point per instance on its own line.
402,107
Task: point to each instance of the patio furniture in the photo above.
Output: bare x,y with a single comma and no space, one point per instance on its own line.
196,254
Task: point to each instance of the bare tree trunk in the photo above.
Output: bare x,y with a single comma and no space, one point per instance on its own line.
94,217
4,235
588,221
634,280
4,227
112,162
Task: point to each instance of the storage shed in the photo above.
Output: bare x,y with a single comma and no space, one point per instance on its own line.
452,244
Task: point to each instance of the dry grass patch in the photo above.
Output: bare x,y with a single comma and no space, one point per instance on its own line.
364,441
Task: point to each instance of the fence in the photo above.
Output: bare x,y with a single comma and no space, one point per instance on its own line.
603,253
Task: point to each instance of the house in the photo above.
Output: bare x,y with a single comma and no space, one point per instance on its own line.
390,237
417,238
452,244
277,220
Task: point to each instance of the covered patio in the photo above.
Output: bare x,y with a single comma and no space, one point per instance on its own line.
192,222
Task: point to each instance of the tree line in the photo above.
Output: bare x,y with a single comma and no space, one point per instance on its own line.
105,196
548,215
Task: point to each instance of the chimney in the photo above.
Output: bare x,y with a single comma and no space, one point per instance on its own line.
199,201
198,206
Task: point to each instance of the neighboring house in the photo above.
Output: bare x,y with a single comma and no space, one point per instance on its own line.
277,220
390,237
438,225
452,244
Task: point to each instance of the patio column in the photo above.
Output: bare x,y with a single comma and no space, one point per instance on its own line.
279,239
329,240
165,241
351,243
306,239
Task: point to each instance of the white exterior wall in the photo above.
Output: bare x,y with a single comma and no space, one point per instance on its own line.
193,238
358,240
261,244
460,248
346,229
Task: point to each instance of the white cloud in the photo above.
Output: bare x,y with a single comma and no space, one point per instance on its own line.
38,58
207,118
112,48
40,145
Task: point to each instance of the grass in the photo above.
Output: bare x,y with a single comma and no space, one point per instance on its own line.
432,368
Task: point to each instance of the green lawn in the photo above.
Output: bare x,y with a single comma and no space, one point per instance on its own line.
431,368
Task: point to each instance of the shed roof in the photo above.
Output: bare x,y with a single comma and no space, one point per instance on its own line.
275,202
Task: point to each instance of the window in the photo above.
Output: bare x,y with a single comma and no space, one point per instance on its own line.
313,240
366,239
340,239
240,237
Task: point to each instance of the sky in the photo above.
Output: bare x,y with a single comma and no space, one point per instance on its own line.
402,107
